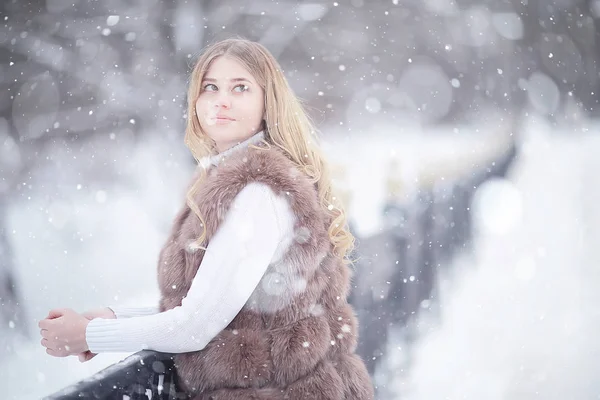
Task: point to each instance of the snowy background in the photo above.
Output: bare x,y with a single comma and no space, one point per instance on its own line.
93,168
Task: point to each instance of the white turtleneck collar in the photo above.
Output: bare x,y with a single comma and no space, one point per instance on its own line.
217,158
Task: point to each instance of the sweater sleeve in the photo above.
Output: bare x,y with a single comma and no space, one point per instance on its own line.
129,312
235,260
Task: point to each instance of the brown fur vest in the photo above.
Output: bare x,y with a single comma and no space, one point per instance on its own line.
295,338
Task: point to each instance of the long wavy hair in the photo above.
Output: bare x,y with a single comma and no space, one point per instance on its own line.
287,126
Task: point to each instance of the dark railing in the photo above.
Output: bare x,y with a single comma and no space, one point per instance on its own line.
143,375
395,279
398,269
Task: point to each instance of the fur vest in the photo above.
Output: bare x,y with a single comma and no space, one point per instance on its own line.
296,336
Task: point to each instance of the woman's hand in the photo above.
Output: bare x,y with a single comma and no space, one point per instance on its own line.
63,332
104,312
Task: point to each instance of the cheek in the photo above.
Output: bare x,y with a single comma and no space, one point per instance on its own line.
205,111
254,110
251,116
199,107
202,106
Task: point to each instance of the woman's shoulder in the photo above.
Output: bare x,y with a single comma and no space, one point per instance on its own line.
273,169
269,166
260,173
257,195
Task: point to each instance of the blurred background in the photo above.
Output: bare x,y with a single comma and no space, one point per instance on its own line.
464,136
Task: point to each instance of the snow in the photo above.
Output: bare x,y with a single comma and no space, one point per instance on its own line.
426,89
519,317
508,25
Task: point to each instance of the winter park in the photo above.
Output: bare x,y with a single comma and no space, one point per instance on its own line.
461,141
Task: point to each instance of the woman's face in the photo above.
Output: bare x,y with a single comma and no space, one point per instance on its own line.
231,105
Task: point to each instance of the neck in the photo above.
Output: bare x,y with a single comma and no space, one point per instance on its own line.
217,158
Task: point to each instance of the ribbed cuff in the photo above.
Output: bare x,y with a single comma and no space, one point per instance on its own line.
113,335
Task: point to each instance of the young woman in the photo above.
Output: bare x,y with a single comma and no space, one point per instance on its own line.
254,277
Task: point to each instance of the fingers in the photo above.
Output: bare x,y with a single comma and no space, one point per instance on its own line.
59,352
54,349
51,321
50,329
49,345
47,323
56,353
57,312
86,356
53,314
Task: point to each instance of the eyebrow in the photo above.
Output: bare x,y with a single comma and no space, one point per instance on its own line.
231,80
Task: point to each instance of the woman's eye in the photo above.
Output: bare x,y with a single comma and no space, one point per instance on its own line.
242,88
210,87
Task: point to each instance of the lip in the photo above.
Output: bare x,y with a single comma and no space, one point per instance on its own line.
222,121
223,118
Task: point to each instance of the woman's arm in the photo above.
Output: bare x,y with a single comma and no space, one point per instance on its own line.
130,312
234,263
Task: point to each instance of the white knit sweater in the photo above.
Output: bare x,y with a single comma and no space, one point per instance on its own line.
257,229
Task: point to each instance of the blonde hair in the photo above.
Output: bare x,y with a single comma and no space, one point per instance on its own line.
287,126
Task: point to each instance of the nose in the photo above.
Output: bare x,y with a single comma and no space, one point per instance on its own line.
223,101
